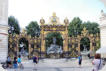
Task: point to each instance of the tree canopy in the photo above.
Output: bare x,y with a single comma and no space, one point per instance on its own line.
13,25
33,29
92,27
75,27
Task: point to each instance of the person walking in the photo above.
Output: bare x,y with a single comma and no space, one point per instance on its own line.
35,60
80,59
15,62
97,62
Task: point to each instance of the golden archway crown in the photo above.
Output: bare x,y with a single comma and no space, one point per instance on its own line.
54,14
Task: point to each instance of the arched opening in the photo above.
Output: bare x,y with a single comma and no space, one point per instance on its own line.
54,45
85,45
23,46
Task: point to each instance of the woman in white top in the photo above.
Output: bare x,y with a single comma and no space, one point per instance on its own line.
97,62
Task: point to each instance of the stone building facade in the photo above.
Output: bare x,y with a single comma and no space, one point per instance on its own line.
3,30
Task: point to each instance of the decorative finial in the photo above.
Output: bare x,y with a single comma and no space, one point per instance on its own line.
42,21
54,14
66,21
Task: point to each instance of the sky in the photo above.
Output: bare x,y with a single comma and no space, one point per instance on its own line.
26,11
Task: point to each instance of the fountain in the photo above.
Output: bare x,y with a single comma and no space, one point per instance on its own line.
54,50
23,52
85,52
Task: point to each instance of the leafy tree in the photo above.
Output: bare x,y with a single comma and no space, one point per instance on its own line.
49,39
13,25
75,28
33,29
85,42
92,27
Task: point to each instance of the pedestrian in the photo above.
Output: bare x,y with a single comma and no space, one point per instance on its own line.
19,61
97,62
9,64
15,62
35,59
80,59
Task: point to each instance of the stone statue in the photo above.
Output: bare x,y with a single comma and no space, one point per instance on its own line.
54,48
54,40
22,51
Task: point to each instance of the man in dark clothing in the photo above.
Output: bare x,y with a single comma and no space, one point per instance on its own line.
35,59
80,59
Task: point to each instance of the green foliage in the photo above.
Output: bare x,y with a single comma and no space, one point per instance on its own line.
85,42
98,45
49,39
92,27
75,27
33,29
12,22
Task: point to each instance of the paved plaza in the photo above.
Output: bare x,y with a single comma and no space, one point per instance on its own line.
56,65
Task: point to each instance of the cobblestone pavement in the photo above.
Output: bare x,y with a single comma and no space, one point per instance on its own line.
56,65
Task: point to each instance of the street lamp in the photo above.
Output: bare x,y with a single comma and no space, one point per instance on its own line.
11,31
37,34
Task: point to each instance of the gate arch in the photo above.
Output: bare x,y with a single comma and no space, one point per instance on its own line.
69,43
85,33
54,26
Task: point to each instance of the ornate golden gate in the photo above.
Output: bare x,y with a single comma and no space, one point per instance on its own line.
75,43
14,44
54,26
71,45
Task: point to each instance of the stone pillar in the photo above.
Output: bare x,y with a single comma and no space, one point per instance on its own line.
65,45
66,21
42,21
3,30
43,45
103,31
